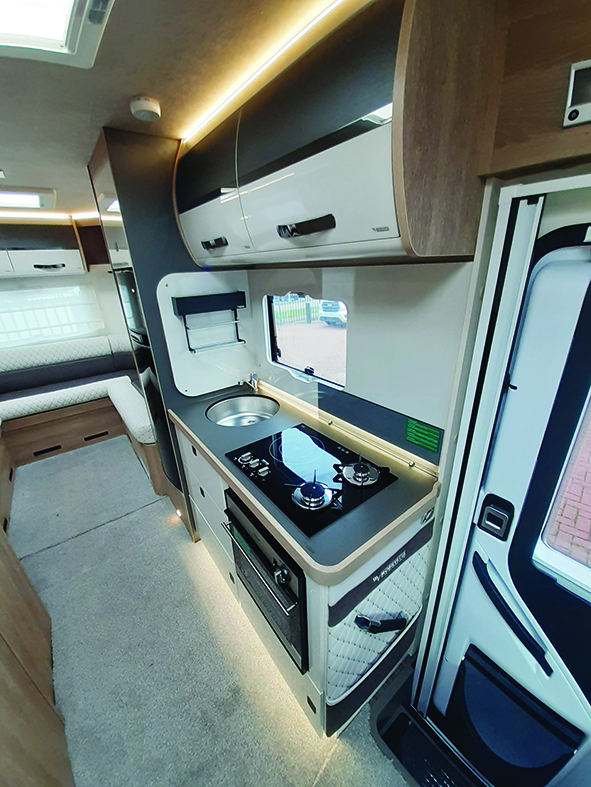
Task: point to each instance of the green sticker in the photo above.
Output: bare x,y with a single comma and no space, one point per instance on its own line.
422,434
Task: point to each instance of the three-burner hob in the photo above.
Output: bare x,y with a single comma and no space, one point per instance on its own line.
312,479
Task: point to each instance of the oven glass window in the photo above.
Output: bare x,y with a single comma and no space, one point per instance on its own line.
309,335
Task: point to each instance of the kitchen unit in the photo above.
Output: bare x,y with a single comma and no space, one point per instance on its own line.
327,549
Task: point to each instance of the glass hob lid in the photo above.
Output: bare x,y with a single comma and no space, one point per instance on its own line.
281,464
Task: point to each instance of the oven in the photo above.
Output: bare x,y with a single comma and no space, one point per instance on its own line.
275,582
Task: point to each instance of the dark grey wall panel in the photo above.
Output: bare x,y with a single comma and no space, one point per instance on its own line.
15,237
143,169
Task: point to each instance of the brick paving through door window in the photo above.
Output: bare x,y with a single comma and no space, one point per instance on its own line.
569,526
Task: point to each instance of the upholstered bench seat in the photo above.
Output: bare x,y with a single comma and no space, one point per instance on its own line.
30,404
131,406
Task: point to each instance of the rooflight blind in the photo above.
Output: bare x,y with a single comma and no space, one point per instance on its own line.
48,315
40,24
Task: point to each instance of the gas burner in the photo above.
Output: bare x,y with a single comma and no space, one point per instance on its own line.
360,474
312,496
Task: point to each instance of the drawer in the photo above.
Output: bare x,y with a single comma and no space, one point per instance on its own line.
51,262
203,473
210,511
220,557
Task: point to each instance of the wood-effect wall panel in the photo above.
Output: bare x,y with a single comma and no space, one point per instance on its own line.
446,71
543,39
24,622
33,749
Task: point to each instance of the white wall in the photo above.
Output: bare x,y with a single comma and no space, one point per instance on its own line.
563,208
403,334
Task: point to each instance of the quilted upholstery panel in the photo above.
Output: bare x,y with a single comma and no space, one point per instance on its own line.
119,343
53,353
132,408
40,403
352,651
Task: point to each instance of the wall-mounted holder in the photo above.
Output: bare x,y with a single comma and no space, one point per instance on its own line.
578,102
205,328
208,347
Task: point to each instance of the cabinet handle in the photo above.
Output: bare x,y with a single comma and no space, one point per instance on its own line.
309,227
373,626
56,267
216,243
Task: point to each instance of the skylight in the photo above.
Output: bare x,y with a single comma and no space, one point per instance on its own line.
13,199
36,24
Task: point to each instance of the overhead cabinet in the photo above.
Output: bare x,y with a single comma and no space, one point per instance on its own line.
5,264
304,170
39,250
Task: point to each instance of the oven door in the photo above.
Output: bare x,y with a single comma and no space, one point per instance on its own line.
276,584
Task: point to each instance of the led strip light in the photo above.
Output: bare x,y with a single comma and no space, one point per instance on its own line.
205,119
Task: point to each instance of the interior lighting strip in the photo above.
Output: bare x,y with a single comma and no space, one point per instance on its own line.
35,214
205,119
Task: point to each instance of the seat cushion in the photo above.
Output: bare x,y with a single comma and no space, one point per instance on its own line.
53,400
54,353
132,408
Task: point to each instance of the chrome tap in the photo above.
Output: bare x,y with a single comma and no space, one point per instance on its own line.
252,381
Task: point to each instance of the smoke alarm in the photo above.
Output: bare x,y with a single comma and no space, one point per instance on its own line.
144,108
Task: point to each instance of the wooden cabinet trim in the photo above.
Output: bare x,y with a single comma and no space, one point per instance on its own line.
441,101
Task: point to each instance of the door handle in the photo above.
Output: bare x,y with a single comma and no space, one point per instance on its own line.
309,227
510,618
373,626
496,516
55,267
215,243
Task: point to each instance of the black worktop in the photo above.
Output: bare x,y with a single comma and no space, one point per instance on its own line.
336,542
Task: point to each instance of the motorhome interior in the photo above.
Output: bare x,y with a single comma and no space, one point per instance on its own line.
295,410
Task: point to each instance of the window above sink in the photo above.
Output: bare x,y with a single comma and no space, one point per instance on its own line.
308,336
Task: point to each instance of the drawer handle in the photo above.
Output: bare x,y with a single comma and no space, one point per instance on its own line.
309,227
55,267
215,243
373,626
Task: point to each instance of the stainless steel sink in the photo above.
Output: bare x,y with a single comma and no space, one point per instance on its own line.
242,410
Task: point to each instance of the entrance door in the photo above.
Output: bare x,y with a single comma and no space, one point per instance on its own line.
513,688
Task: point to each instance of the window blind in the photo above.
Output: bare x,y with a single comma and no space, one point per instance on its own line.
48,315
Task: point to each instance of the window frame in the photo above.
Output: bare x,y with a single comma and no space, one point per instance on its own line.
272,348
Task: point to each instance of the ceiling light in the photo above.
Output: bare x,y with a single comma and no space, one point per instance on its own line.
204,120
33,199
15,199
19,214
114,207
2,175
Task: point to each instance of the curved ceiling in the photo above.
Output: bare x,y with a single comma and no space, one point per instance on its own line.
186,53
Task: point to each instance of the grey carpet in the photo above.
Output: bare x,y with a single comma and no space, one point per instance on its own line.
159,676
65,495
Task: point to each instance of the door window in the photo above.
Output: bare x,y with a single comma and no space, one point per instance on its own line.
568,527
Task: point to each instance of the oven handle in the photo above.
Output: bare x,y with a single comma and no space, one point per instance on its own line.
285,609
